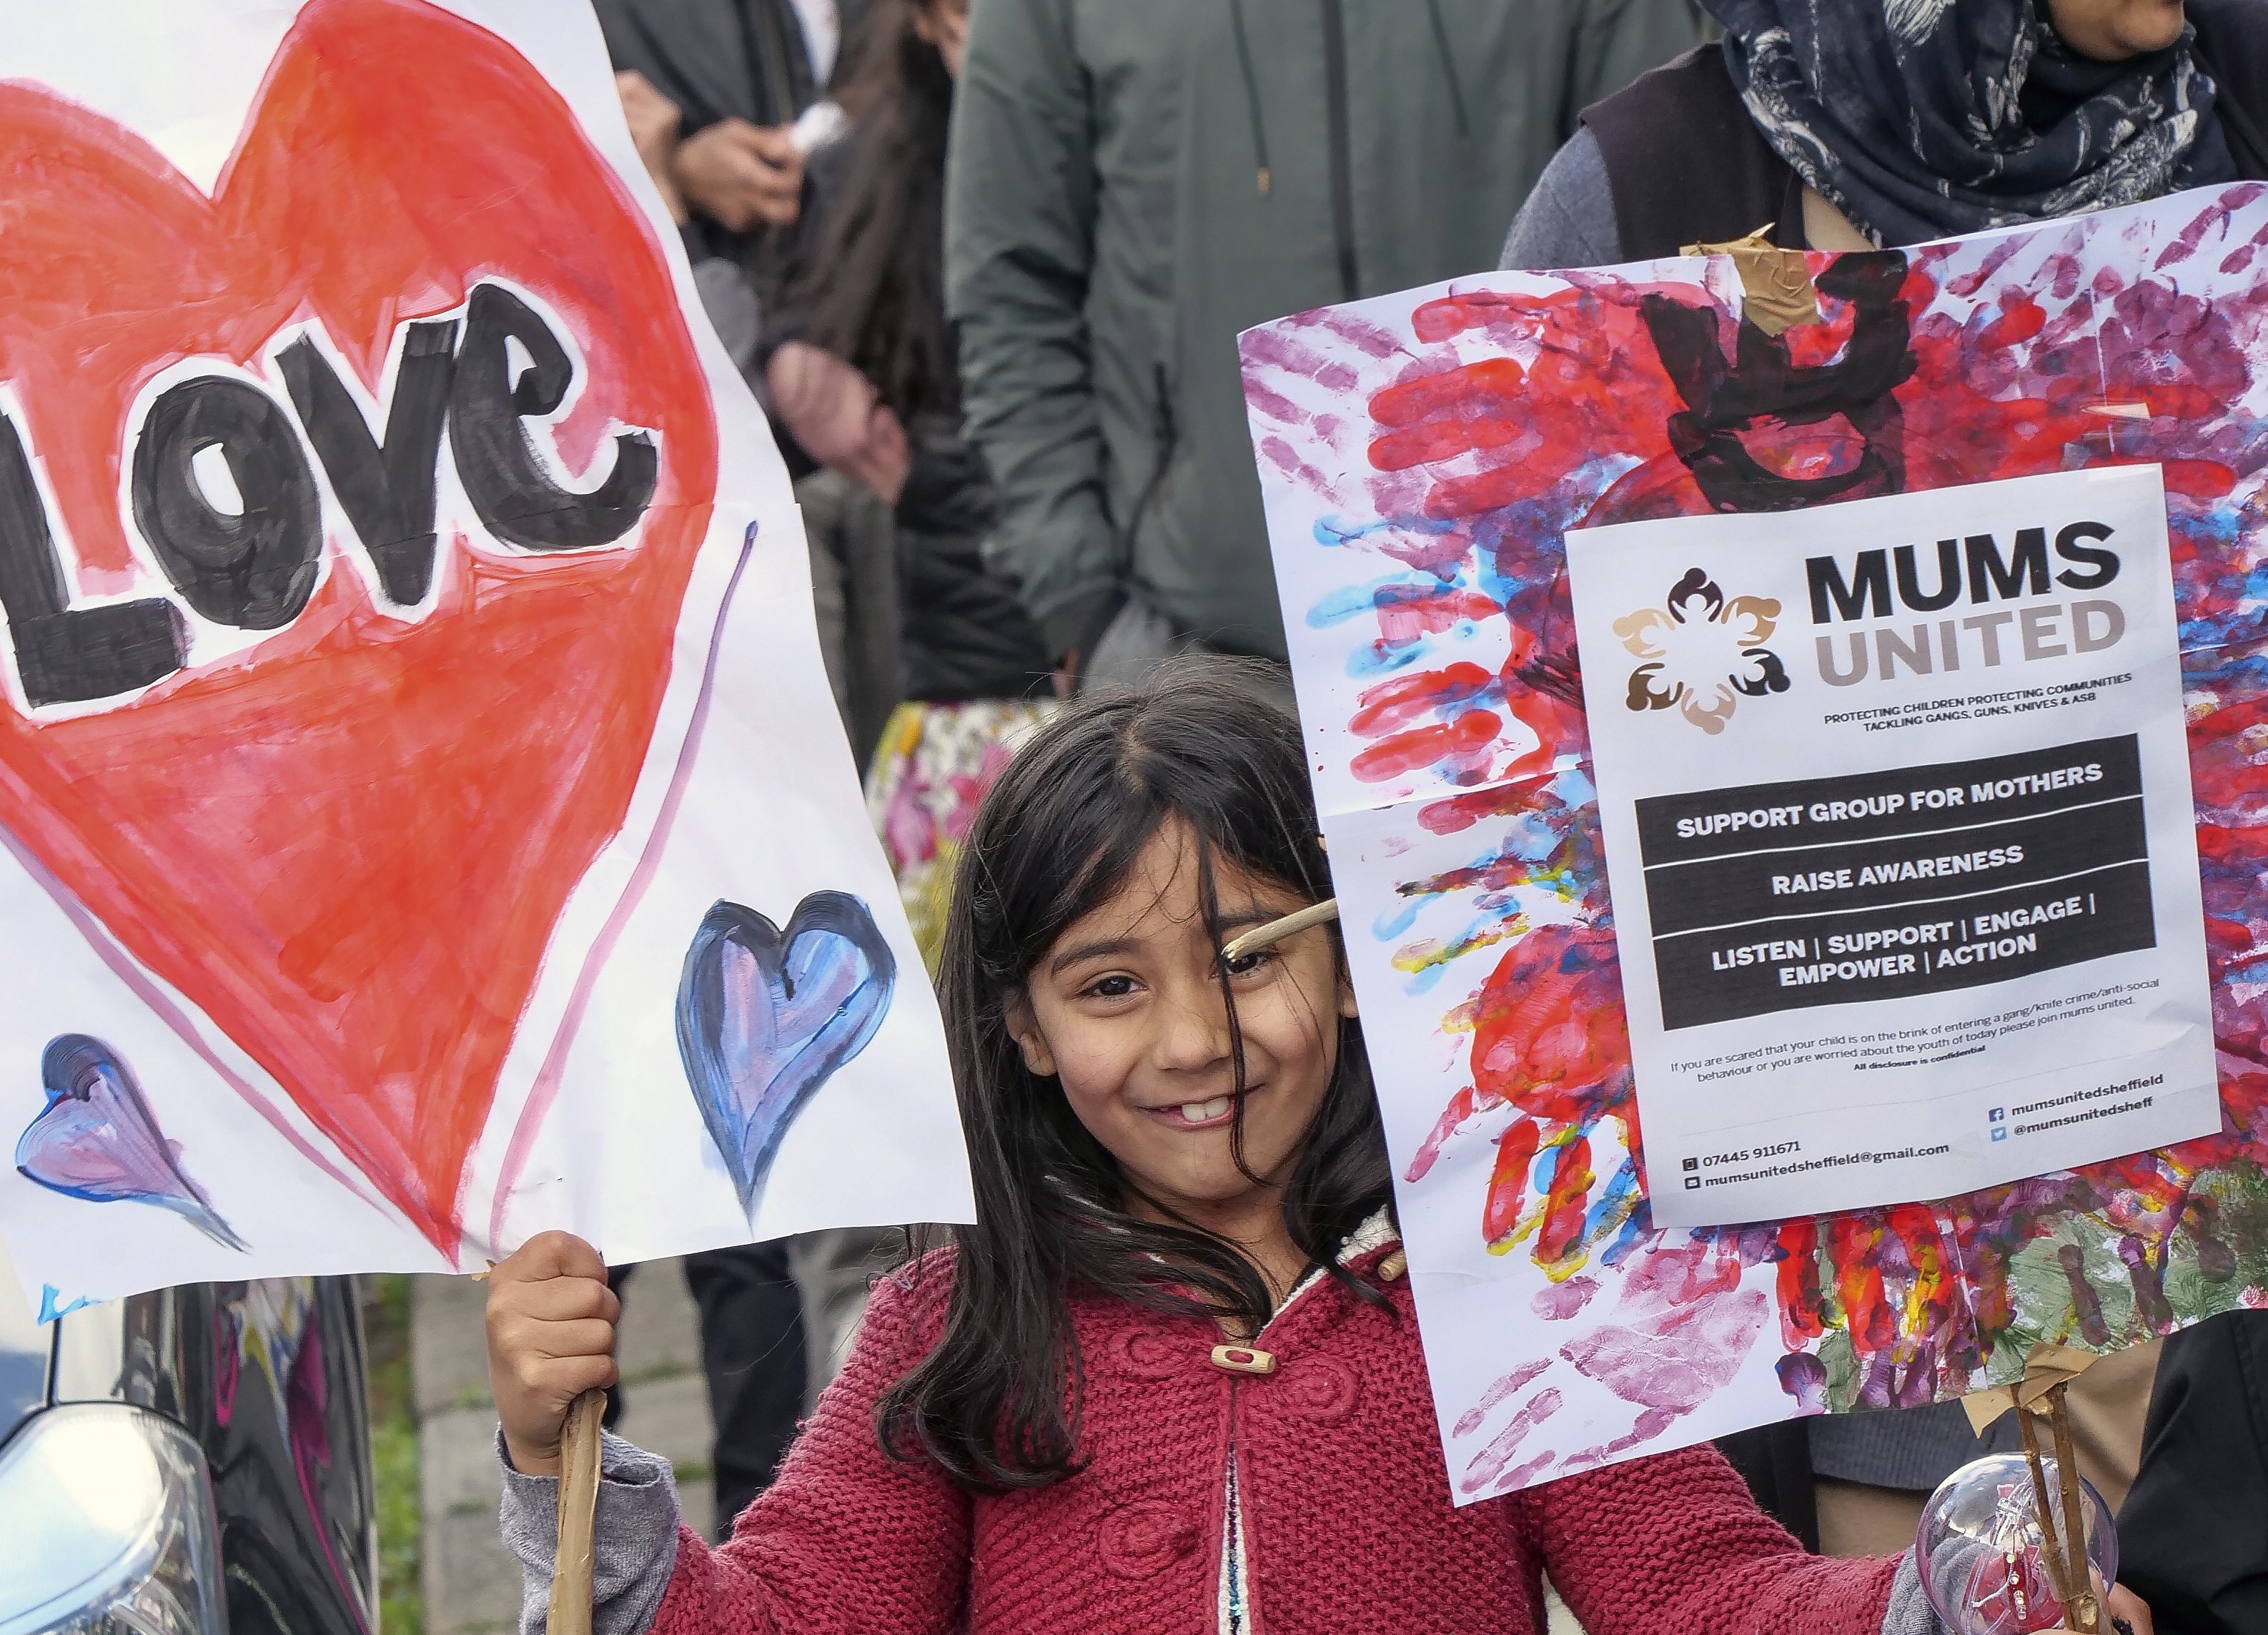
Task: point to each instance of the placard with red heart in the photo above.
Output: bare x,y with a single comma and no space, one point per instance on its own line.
346,835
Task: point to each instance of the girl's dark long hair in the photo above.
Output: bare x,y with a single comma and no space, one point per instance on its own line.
996,1405
872,285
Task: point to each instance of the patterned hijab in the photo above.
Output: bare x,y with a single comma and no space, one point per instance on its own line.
1921,119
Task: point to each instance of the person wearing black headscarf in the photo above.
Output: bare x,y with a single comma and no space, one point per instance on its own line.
1924,118
1839,124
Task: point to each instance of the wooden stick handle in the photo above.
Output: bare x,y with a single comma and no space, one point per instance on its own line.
2080,1606
2051,1554
1273,932
570,1612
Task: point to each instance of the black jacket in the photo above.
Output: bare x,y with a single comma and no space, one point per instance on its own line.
966,634
2193,1533
719,60
716,59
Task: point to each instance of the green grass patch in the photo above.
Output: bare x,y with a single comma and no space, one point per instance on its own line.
393,1453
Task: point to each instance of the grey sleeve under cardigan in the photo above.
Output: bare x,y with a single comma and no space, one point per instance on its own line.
1569,220
633,1543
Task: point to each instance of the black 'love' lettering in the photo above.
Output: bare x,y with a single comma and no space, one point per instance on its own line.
254,567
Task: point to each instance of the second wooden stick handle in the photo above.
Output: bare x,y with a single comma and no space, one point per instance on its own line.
571,1568
2082,1606
1273,932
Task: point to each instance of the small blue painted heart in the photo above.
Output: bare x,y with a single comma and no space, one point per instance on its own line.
765,1017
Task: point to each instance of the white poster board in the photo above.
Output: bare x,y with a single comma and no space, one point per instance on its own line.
1428,460
1896,797
426,817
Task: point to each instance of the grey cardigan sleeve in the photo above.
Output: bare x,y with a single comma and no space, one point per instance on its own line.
1910,1612
634,1544
1569,219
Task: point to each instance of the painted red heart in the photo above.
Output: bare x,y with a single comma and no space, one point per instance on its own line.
349,845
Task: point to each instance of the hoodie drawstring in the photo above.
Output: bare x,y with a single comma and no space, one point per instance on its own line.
1449,68
1266,179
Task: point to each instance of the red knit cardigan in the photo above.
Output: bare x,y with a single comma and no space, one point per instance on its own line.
1348,1523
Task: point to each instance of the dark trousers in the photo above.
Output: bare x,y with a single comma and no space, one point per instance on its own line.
752,1354
1775,1461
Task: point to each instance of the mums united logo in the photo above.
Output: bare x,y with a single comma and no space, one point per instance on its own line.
1703,652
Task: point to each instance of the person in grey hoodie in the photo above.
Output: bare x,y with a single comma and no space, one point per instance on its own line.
1132,184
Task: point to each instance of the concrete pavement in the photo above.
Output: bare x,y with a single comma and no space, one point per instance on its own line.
471,1582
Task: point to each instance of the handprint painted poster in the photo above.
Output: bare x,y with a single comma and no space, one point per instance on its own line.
425,818
1423,457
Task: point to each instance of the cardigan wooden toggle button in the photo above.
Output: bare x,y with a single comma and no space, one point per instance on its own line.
1243,1359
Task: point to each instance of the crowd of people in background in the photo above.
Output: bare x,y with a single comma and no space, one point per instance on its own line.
985,261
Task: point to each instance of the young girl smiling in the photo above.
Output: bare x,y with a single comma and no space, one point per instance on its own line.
1171,1379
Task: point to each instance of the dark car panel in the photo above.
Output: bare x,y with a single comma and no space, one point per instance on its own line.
268,1377
25,1346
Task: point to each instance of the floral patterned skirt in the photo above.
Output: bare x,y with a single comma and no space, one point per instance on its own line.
933,765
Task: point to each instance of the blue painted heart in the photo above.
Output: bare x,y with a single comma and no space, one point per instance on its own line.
765,1017
97,1139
